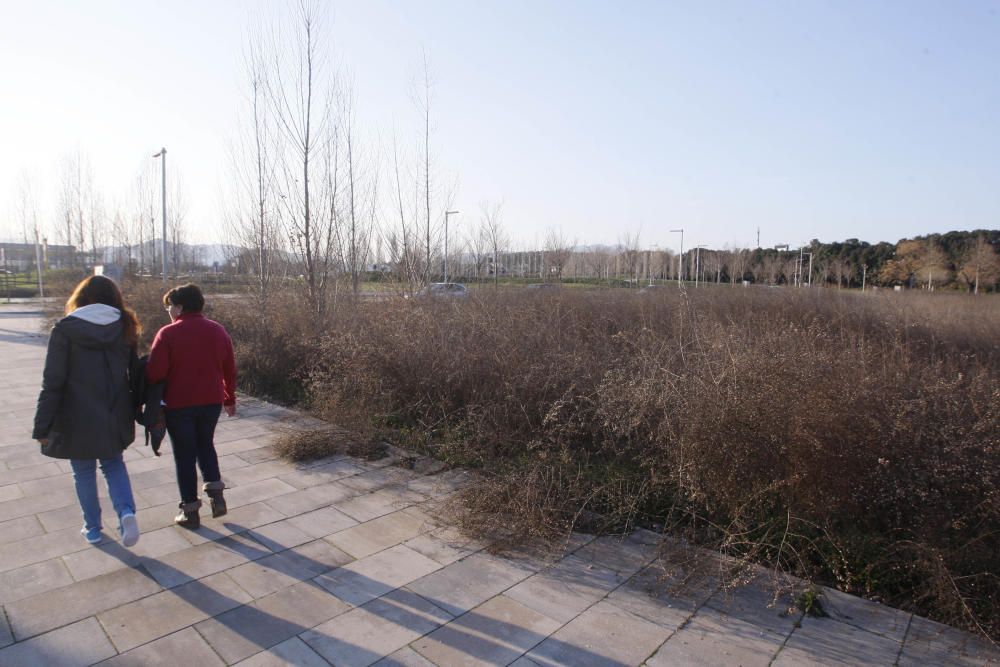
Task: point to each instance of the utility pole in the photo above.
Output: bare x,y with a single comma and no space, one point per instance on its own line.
163,242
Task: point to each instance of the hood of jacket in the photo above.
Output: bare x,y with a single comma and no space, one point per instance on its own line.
96,326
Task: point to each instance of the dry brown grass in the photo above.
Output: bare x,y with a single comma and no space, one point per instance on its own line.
848,438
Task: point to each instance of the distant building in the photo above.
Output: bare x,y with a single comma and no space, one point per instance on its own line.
21,256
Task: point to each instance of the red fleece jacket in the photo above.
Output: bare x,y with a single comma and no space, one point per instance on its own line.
195,356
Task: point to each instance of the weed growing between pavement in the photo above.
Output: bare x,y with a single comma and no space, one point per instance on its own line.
848,438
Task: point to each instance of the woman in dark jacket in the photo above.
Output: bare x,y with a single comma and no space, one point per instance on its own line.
194,356
84,410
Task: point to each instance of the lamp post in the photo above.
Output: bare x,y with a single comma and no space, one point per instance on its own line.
163,241
697,263
680,256
446,214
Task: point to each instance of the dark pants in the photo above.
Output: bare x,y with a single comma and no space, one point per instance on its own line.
191,431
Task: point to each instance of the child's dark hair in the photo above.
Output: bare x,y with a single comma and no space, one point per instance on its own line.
188,297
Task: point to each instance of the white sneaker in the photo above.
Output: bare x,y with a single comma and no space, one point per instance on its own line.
129,529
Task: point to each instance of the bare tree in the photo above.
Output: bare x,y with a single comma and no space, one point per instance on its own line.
177,209
479,250
739,261
361,195
144,217
771,266
558,250
629,253
74,202
496,239
423,101
253,219
839,270
300,92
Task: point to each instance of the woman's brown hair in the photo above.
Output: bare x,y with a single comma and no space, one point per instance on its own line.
100,289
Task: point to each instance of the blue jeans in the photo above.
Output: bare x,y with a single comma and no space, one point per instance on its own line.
119,488
192,434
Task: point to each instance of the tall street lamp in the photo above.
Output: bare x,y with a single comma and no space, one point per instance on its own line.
163,241
680,256
446,214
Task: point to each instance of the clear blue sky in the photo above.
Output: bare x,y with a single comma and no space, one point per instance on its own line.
830,120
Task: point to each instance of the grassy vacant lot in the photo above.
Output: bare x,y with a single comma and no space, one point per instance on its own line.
849,438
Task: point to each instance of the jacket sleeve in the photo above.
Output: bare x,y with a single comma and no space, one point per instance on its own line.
53,382
229,373
158,364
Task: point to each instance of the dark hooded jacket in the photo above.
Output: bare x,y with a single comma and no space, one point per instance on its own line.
84,409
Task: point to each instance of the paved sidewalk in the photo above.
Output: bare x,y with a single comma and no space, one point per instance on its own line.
345,562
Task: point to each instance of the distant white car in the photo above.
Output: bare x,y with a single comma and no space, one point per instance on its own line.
437,290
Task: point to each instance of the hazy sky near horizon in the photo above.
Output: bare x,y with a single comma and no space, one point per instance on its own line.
871,119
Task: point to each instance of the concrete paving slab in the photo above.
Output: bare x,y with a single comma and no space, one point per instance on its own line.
110,556
273,573
377,534
290,653
186,647
602,635
445,545
247,629
16,530
322,474
931,643
468,583
257,491
306,500
365,579
379,628
280,535
405,657
712,638
200,561
656,595
824,641
31,580
323,522
77,645
164,613
76,601
6,636
496,632
377,503
865,614
566,589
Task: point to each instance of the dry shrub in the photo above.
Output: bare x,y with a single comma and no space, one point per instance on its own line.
304,446
848,438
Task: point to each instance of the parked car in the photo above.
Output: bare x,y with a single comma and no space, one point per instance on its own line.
442,290
543,286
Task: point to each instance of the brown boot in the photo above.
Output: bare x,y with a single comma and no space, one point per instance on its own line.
188,518
218,501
